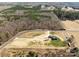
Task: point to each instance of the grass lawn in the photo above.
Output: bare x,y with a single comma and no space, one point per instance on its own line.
57,43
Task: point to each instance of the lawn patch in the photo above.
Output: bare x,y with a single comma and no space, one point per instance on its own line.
57,43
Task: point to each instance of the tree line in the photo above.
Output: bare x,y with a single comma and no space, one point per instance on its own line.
66,15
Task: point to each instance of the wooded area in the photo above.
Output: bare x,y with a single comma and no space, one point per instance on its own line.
66,15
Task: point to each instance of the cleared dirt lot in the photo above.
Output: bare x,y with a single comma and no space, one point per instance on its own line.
22,43
70,24
69,33
72,28
33,40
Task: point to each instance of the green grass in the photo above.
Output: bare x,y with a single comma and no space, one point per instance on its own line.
57,43
52,32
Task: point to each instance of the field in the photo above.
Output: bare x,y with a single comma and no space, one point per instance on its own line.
70,24
39,38
34,39
72,28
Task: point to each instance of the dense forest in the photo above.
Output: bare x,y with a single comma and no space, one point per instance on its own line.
66,15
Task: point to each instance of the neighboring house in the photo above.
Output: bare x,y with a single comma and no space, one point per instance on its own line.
76,10
47,7
65,8
28,6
